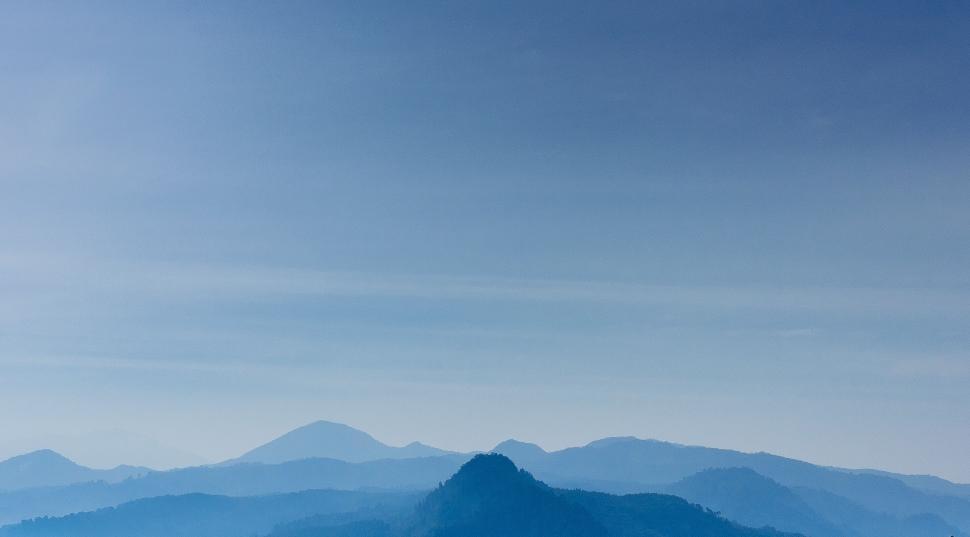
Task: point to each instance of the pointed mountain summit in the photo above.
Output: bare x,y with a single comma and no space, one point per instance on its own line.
47,468
490,496
324,439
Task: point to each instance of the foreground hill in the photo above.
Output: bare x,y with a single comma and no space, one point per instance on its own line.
489,496
46,468
235,480
324,439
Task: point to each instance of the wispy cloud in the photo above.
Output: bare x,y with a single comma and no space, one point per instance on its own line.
46,276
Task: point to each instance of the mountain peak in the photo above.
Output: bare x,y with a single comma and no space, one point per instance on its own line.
40,456
512,443
46,468
522,452
330,440
490,465
489,493
743,479
612,440
487,473
323,439
324,425
733,491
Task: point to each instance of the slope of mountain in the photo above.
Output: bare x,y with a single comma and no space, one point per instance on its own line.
489,496
862,521
925,483
235,480
357,528
324,439
46,468
744,496
201,515
636,515
625,464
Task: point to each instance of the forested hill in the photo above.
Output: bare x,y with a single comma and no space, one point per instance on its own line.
489,496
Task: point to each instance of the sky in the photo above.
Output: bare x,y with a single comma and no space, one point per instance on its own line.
734,224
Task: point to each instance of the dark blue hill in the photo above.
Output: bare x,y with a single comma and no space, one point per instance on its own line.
202,515
490,497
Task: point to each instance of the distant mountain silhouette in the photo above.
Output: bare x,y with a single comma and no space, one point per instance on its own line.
235,480
106,448
490,497
201,515
852,501
324,439
627,464
745,496
861,521
522,452
925,483
46,468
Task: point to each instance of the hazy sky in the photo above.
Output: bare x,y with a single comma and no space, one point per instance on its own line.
743,224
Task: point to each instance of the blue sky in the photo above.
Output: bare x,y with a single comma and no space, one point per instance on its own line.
740,224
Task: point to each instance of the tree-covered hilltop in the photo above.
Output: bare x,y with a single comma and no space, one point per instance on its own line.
490,497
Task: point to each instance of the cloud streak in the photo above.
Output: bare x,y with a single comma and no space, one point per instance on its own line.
189,283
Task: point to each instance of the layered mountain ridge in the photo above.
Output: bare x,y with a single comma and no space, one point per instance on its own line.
47,468
756,489
487,497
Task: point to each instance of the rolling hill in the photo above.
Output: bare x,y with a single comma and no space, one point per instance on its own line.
46,468
202,515
236,480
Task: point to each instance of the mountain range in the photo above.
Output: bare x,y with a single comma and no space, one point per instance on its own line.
629,464
755,489
244,479
488,496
